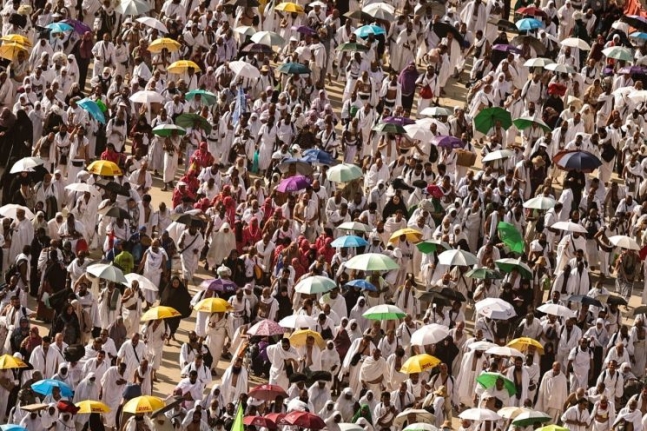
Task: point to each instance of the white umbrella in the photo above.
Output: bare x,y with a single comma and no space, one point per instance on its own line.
504,351
381,11
418,132
622,26
532,416
481,345
495,308
421,426
569,226
511,412
107,272
435,111
540,203
147,97
497,155
479,414
144,283
315,284
559,68
556,310
429,334
10,211
575,42
624,241
153,23
83,188
414,416
296,321
441,127
538,62
245,30
132,7
457,257
346,426
26,165
637,96
268,38
354,226
244,70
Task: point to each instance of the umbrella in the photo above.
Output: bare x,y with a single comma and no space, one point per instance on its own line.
636,21
552,428
538,62
419,364
577,160
188,120
245,30
532,11
166,130
259,422
481,345
619,53
181,66
293,68
452,294
367,30
298,338
484,274
434,297
190,217
104,168
457,257
372,262
289,7
45,387
143,404
419,132
414,416
132,7
349,241
381,10
112,187
318,157
91,107
144,283
523,123
488,380
302,167
435,111
304,420
556,310
219,285
495,308
497,155
354,226
624,241
107,271
441,29
503,24
14,427
420,427
266,328
507,265
26,164
11,50
315,284
395,129
164,43
451,142
59,27
504,351
92,406
347,426
616,300
118,212
267,392
479,414
435,191
529,24
569,226
511,412
487,118
583,299
511,237
303,29
256,48
160,312
146,97
11,210
268,38
532,41
429,334
8,362
384,312
412,235
522,344
640,310
633,70
530,418
152,23
352,47
398,121
213,305
293,184
541,203
344,172
17,38
638,35
431,246
559,68
296,321
506,48
362,284
358,15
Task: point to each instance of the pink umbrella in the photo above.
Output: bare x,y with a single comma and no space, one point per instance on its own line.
266,328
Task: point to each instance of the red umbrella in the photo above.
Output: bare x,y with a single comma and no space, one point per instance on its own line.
556,88
435,191
259,421
277,418
267,392
266,328
532,11
305,420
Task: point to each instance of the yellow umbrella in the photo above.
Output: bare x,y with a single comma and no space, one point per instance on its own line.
522,344
213,305
16,38
104,168
8,362
181,66
412,235
143,404
164,43
299,337
160,312
91,406
289,7
11,50
419,363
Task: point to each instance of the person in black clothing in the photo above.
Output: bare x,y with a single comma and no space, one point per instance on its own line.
38,244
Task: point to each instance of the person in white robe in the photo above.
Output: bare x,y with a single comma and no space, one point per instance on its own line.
630,414
235,381
474,15
319,394
603,414
190,244
112,388
553,391
22,235
472,364
512,374
155,332
222,242
45,359
153,263
374,371
216,330
131,306
87,389
190,388
280,355
309,356
577,417
131,353
97,365
109,305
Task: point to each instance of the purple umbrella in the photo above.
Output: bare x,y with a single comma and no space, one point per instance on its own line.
400,121
257,48
219,285
448,142
507,48
79,27
293,184
634,70
303,29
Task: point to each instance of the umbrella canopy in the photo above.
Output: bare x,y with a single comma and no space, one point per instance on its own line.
488,380
431,246
412,235
511,237
219,285
552,428
144,283
504,351
556,310
289,7
362,284
344,172
414,416
59,27
569,226
267,392
420,427
11,50
166,130
559,68
14,427
372,262
618,53
380,10
429,334
181,66
303,29
384,312
522,344
349,241
495,308
352,47
104,168
624,241
268,38
257,48
187,120
301,167
538,62
484,274
160,312
347,426
296,321
158,45
530,418
118,212
532,11
213,305
298,338
532,41
354,226
293,184
400,121
293,68
506,48
8,362
26,164
245,30
259,422
395,129
419,364
367,30
11,211
266,328
143,404
92,108
318,157
584,299
488,117
451,142
46,386
435,111
529,24
146,97
17,38
497,155
92,406
479,414
541,203
457,257
523,123
152,23
315,284
508,265
304,420
442,29
107,272
132,7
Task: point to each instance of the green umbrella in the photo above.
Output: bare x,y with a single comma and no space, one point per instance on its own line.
488,380
430,246
372,262
352,46
396,129
189,120
524,123
531,417
507,265
293,69
165,130
484,274
619,53
385,312
486,119
207,96
511,237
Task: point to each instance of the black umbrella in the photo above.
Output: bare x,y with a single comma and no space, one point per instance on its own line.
582,299
117,212
170,405
257,48
321,376
635,21
441,29
421,184
505,25
452,294
435,297
616,300
359,15
189,219
534,43
298,377
113,187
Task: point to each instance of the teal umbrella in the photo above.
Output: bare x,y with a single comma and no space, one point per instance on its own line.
511,237
206,96
294,69
488,380
166,130
487,118
93,109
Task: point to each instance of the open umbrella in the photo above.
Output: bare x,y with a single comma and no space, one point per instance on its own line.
93,109
259,422
298,338
556,310
530,418
429,334
532,11
523,123
419,364
399,121
144,283
146,97
495,308
315,284
511,237
349,241
380,10
479,414
293,68
303,29
504,25
107,272
158,45
11,50
484,274
412,235
187,120
268,38
367,30
538,62
354,226
266,328
488,117
17,38
245,30
362,284
372,262
618,53
256,48
118,212
11,211
413,416
160,312
616,300
318,157
522,344
132,7
508,265
435,111
420,427
46,386
584,299
450,142
267,392
219,285
166,130
143,404
529,24
624,241
181,66
289,7
488,380
14,427
26,164
104,168
304,420
457,257
441,29
575,42
92,406
497,155
384,312
296,321
430,246
577,160
532,41
506,48
213,305
344,172
9,362
293,184
395,129
112,187
59,27
559,68
347,426
152,23
541,203
352,47
504,351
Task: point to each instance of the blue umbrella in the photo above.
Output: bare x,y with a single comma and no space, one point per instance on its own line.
529,24
317,156
362,284
93,109
349,241
59,27
638,35
45,387
365,30
12,427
